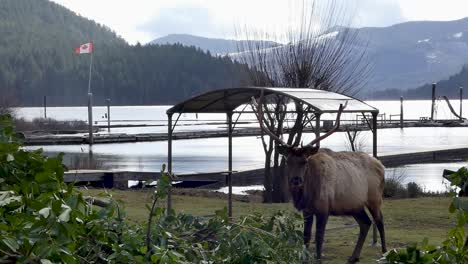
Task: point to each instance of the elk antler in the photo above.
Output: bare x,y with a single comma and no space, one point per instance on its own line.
259,106
331,131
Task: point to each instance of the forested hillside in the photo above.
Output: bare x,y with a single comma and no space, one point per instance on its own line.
37,53
449,88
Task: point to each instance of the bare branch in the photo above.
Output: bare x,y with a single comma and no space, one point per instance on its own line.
259,106
331,131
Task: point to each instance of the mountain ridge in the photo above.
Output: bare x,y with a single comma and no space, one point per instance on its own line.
408,55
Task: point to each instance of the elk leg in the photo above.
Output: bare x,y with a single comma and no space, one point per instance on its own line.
378,219
320,233
364,224
308,221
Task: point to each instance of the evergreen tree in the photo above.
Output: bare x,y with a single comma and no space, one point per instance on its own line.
36,51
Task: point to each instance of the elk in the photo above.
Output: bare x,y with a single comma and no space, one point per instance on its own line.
323,182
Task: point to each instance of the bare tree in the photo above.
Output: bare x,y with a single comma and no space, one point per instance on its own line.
355,139
318,52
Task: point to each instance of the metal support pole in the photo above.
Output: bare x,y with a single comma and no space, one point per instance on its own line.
433,100
374,134
401,112
317,128
374,153
229,175
169,158
461,103
108,114
45,106
90,119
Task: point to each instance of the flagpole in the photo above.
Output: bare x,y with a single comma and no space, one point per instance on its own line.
90,103
90,68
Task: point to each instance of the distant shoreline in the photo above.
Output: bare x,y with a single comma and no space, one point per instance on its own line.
168,104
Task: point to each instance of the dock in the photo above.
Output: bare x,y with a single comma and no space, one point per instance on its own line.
119,179
433,156
105,138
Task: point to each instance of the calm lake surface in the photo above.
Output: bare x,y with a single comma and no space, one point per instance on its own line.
204,155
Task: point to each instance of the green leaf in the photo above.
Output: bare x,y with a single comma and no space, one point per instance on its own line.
452,207
65,215
143,250
175,256
155,258
11,243
7,198
56,206
44,212
42,177
461,220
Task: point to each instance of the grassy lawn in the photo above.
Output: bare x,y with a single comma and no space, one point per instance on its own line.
406,220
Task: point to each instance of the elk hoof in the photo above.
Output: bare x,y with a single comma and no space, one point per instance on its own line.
353,260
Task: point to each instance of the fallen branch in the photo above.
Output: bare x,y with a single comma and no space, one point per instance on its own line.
96,201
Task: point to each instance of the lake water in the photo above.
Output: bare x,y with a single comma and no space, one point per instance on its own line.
204,155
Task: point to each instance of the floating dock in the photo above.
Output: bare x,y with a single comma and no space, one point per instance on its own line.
103,138
119,179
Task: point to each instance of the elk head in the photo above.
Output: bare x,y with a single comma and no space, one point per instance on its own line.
296,157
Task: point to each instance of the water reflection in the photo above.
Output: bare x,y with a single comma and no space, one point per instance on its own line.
428,176
204,155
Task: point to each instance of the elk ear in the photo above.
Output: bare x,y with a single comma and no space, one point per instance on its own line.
283,150
309,150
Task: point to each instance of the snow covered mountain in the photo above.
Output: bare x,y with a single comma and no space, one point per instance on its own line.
402,56
215,46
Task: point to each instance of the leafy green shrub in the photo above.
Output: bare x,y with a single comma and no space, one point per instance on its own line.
454,249
413,190
41,218
44,220
49,125
460,179
394,189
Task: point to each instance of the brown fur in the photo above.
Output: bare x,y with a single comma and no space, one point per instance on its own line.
323,182
341,183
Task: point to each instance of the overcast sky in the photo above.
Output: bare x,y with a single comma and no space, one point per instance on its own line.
145,20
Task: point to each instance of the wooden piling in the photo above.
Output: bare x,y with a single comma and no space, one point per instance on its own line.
108,114
461,103
45,106
401,112
433,101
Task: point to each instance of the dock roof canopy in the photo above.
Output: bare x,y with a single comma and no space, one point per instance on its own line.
227,100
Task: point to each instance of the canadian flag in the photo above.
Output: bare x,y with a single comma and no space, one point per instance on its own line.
84,48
